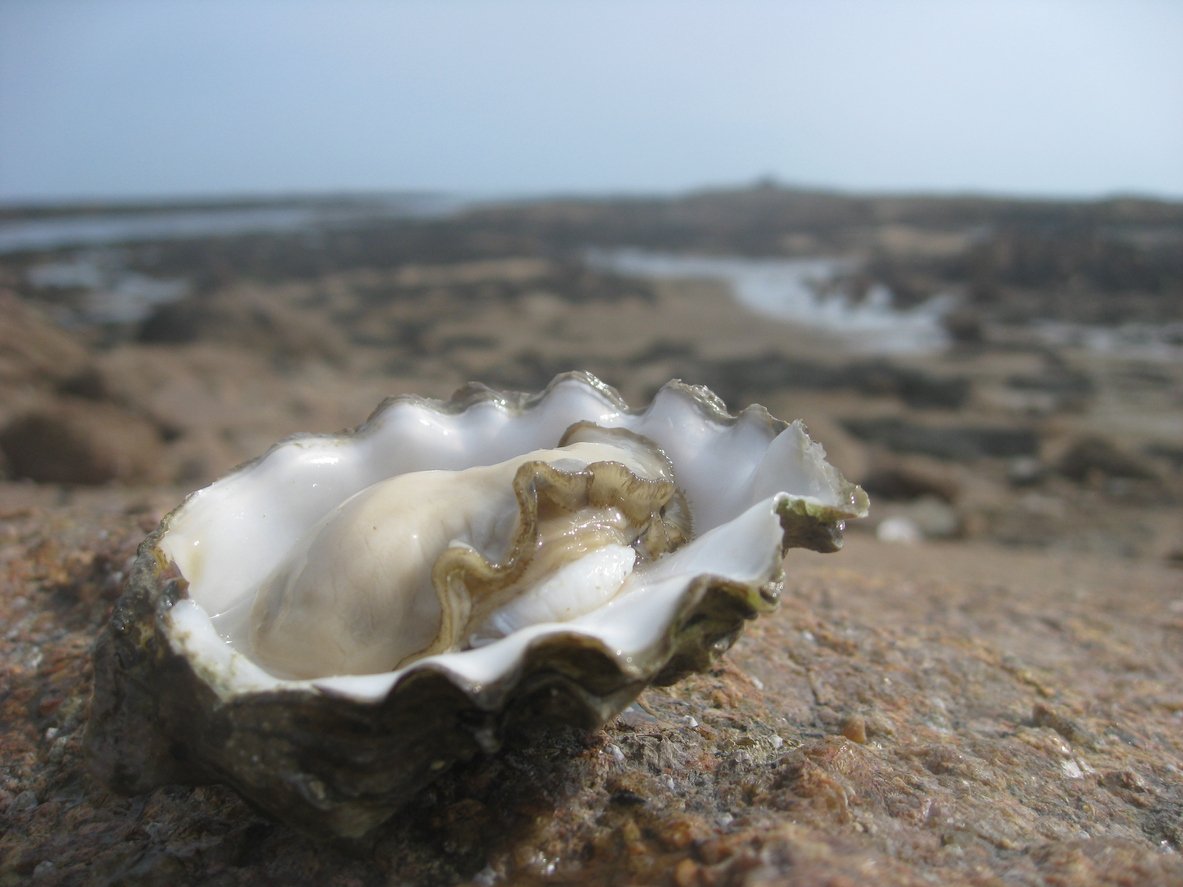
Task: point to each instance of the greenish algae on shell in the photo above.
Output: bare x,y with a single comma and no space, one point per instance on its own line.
339,753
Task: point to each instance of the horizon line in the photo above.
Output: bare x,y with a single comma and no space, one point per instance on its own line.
287,196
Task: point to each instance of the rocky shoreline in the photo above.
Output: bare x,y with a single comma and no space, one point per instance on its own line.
982,688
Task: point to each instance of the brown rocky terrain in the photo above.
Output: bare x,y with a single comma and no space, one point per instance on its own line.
982,688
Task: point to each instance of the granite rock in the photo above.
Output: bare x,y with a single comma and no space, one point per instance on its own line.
936,713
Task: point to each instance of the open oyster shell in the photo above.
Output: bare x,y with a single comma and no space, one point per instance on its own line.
181,691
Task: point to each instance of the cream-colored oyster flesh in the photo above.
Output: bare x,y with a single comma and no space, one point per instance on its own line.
421,563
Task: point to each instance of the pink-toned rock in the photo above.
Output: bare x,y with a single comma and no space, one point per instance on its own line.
956,714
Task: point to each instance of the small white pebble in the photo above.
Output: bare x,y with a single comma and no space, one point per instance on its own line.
899,529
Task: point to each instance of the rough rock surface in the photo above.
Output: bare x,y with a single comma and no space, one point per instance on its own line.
937,713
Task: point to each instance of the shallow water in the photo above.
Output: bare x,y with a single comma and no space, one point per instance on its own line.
97,228
88,255
792,290
112,294
1141,341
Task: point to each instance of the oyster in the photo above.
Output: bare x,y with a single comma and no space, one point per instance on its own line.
332,625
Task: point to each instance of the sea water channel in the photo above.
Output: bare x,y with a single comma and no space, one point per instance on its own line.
797,291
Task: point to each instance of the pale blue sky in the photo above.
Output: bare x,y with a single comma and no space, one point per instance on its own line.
126,98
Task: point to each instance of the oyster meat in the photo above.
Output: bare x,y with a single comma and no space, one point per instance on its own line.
332,625
431,561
